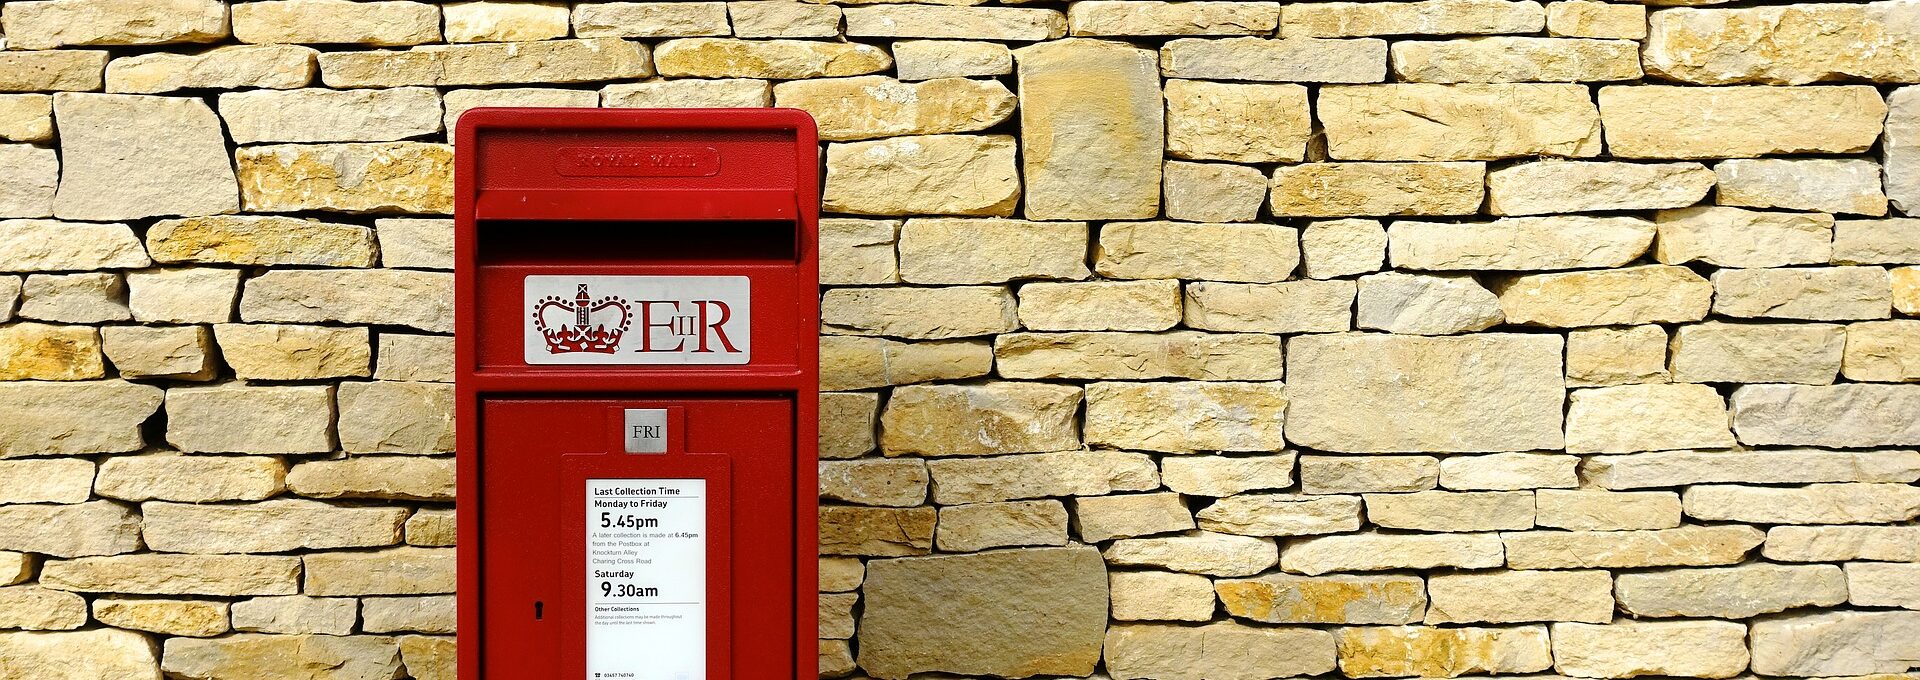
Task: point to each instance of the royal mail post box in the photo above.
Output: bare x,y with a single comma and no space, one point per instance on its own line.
637,367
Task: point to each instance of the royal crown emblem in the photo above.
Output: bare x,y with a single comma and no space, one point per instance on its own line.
583,324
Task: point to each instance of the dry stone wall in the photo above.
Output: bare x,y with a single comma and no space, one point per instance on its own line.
1187,341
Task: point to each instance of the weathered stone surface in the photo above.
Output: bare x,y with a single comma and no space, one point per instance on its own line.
27,190
1330,19
1377,189
852,363
271,526
1814,293
1739,592
1630,295
75,298
1632,418
1681,468
929,59
1653,121
37,351
423,300
1200,552
775,59
1223,650
1476,121
1160,596
964,251
1560,186
1520,596
296,614
1091,123
47,245
1152,305
1882,351
1697,649
337,21
1826,185
1505,59
836,615
394,571
919,313
841,574
548,61
401,477
1683,546
1420,304
1448,511
1874,584
1378,552
1125,356
396,417
1227,475
1589,19
1520,243
865,107
52,70
785,19
234,66
386,177
1836,643
1285,307
179,352
261,240
504,21
723,93
64,23
1732,237
1424,394
359,657
36,608
68,418
1349,474
191,618
1292,59
1102,518
1239,122
900,483
1281,515
1391,651
963,613
1338,599
1333,248
1841,543
163,574
836,659
1757,353
16,567
26,117
236,418
1593,510
430,614
858,252
331,115
980,526
456,102
190,479
183,295
1814,504
1888,241
1065,473
45,480
978,23
1900,150
1256,253
1784,45
1906,289
990,418
1183,417
930,174
1508,471
428,527
649,19
1109,17
79,655
127,156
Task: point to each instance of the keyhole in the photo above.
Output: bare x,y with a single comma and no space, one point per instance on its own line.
539,610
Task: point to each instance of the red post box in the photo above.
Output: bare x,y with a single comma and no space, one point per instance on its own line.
637,368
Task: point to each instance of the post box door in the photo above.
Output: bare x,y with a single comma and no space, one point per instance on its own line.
644,564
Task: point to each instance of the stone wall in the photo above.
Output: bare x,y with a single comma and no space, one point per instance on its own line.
1208,340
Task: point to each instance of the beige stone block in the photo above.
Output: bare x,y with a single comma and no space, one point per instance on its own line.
1334,248
77,530
1475,17
1784,466
649,19
932,174
1683,546
1508,471
1445,511
316,115
865,107
456,102
1223,650
1111,17
1337,599
785,19
397,477
261,240
1500,59
876,532
417,243
1384,393
423,300
35,608
276,67
1739,592
66,23
1811,293
1888,241
45,480
858,252
724,93
1631,295
836,615
183,295
1102,518
1152,305
9,296
978,23
1065,473
179,352
1257,253
189,618
1520,243
841,574
1200,552
1185,417
962,251
1874,584
1371,551
26,117
1651,121
236,418
1595,510
547,61
98,653
1476,121
1632,418
1624,355
1365,474
166,574
1757,353
396,417
772,59
105,178
1592,19
75,298
1784,45
1159,596
1562,186
27,190
1377,189
1220,476
1125,356
426,358
1906,289
1520,596
407,177
1700,649
1212,192
1827,185
919,313
1420,304
1733,237
37,351
388,22
897,482
102,416
1836,643
393,571
980,419
296,615
48,245
432,614
980,526
1286,307
961,613
1900,150
1422,651
16,567
487,21
929,59
270,526
432,528
256,655
1841,543
428,657
1293,59
1883,351
1813,504
851,363
190,479
52,70
1239,122
836,659
1281,515
1091,126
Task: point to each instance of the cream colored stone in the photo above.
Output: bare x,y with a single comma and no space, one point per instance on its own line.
271,526
1286,307
1201,552
1812,293
1906,289
183,295
428,527
1757,353
1561,186
851,363
1383,393
1648,121
1222,650
37,351
47,245
1888,241
388,22
77,530
457,102
177,164
1445,511
1883,351
1681,468
432,614
1294,59
936,174
79,655
26,117
27,190
1370,551
1874,584
725,93
841,574
1476,121
1220,476
1126,356
1733,237
52,70
1152,305
980,526
1442,652
1111,17
1212,192
1350,474
990,418
1422,304
1066,473
398,477
1502,59
74,298
234,418
1840,543
316,115
964,614
1631,295
190,618
1281,515
1337,599
393,571
1825,185
190,479
233,66
406,177
858,252
166,574
1244,123
1699,649
1508,471
16,567
396,417
74,418
1092,127
787,19
178,352
37,608
929,59
423,300
1215,252
876,532
1836,643
487,21
898,483
1103,518
66,23
547,61
1784,45
1592,19
415,242
1593,510
836,659
1159,596
260,240
1813,504
46,480
1377,189
1682,546
1183,417
649,19
978,23
1339,19
957,251
865,107
1739,592
920,313
1520,243
836,615
1899,150
255,655
1632,418
1520,596
773,59
296,615
1334,248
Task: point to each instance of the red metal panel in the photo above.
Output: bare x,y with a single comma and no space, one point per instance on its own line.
635,192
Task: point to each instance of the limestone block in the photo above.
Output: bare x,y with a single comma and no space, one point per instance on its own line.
296,615
1882,351
1383,393
430,614
318,115
261,240
772,59
1906,289
858,252
102,416
52,70
1224,650
1813,504
1520,243
1420,304
1696,649
1733,237
1501,59
398,477
416,243
1826,185
1184,417
256,655
963,613
649,19
1520,596
1508,471
46,480
166,574
1757,353
1784,45
1738,592
929,59
547,61
457,102
1239,122
1219,476
1291,59
1476,121
1160,596
723,93
432,528
1331,19
1285,307
183,295
97,653
980,526
898,483
1875,584
978,23
931,174
1334,248
1681,468
190,618
1888,241
976,251
1065,473
1111,17
980,419
1562,186
1840,543
1836,643
1447,511
9,296
276,67
789,19
487,21
190,479
836,659
129,156
1125,356
1813,293
1152,305
396,417
38,351
388,22
1337,599
66,23
1351,474
1657,121
1683,546
27,189
1091,126
178,352
1378,189
1900,150
1630,295
1632,418
374,177
1098,519
74,298
26,117
836,615
235,418
1421,651
851,363
1281,515
422,300
1371,551
1590,19
919,313
1594,510
1258,253
1200,552
76,530
865,107
16,567
841,574
47,245
271,526
393,571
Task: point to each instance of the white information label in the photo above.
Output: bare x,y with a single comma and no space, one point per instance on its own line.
646,579
638,320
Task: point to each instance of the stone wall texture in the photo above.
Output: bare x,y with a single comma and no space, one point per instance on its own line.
1187,341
